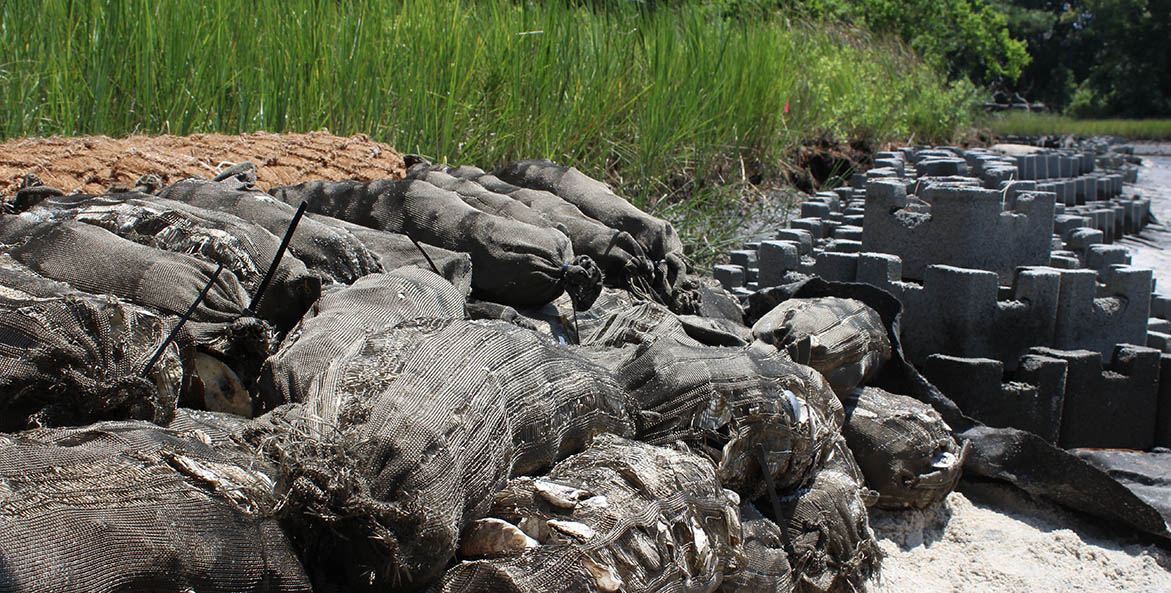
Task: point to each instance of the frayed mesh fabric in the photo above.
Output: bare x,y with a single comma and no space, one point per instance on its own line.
407,435
657,518
848,341
725,402
76,359
764,562
828,529
345,316
128,506
905,449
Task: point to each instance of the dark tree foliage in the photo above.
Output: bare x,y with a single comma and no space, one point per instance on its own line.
1096,58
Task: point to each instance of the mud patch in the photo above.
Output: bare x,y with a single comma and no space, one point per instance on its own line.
92,164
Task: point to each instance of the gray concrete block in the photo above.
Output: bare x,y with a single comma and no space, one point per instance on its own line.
1110,410
1159,341
745,258
776,258
837,267
802,237
729,276
1163,415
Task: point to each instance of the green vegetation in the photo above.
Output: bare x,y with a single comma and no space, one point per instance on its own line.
1096,58
1040,124
966,38
667,104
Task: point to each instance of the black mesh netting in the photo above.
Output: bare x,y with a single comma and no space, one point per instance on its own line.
513,262
621,258
565,569
345,316
847,339
657,237
76,359
408,433
903,446
654,518
128,506
323,248
242,247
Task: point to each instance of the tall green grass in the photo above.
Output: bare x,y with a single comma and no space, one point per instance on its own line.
1041,124
668,104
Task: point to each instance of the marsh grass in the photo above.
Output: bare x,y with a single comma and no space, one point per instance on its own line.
667,105
1043,124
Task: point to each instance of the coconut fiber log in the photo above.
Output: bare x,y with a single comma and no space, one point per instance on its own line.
513,263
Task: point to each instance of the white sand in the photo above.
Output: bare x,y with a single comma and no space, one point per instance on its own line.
996,538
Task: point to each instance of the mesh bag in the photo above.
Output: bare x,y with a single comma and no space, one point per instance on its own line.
725,402
396,250
512,262
345,316
847,339
323,248
243,248
76,359
595,199
127,506
424,423
621,258
480,198
905,449
565,569
764,564
243,343
97,261
620,317
656,517
833,549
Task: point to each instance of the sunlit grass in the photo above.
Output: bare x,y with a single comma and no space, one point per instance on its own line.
667,105
1041,124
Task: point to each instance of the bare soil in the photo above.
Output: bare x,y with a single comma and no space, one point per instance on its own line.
91,164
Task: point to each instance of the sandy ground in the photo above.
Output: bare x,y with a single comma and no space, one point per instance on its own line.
992,537
1152,248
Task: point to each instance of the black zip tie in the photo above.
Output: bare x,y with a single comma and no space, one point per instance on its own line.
425,256
276,261
576,331
178,326
771,487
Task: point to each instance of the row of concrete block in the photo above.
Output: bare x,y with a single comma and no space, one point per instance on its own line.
966,312
1068,397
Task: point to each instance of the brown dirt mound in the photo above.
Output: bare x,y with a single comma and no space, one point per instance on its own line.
91,164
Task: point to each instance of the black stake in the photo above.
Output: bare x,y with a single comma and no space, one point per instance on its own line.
178,326
276,261
425,256
762,461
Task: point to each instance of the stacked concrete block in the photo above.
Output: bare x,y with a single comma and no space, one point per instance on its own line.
964,226
1068,397
1032,399
1113,406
